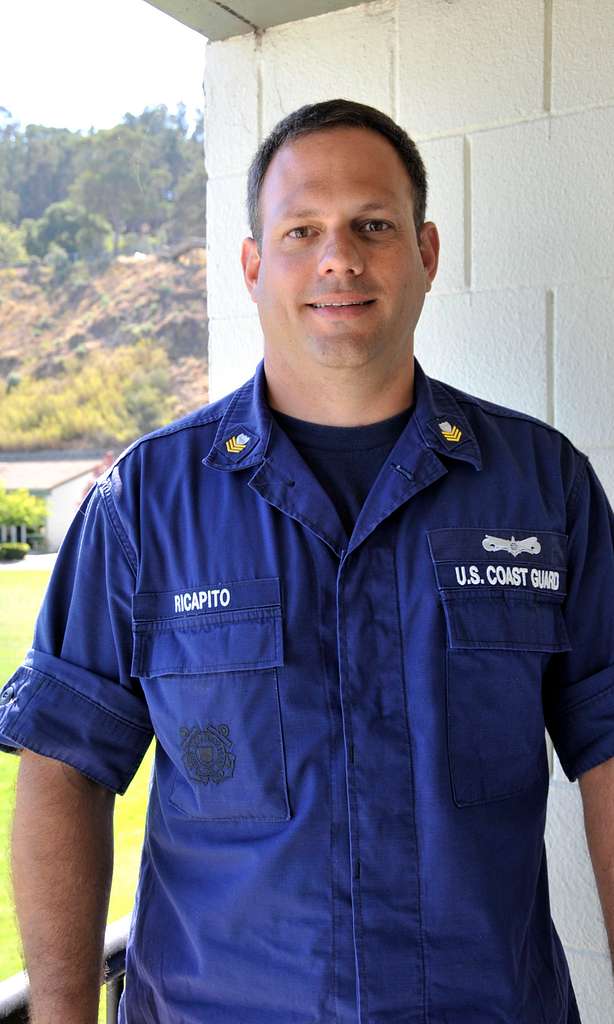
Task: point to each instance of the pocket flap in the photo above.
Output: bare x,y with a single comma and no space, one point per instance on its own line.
504,621
178,634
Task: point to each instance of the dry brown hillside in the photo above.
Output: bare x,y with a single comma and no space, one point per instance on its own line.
42,325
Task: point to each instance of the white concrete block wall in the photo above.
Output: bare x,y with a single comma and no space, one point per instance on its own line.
445,160
226,228
466,65
584,331
512,105
351,55
544,213
582,44
232,103
453,329
233,130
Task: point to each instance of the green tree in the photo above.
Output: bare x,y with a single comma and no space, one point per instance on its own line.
58,259
9,198
21,507
12,248
93,239
188,216
182,157
198,135
168,135
120,179
145,177
69,226
36,167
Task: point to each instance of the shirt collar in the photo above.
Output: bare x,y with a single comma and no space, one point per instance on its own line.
242,438
441,421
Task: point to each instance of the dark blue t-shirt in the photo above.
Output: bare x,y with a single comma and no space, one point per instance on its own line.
345,460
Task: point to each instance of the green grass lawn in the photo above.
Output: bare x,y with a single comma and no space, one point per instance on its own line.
20,596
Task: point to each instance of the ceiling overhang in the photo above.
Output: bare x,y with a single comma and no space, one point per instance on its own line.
217,20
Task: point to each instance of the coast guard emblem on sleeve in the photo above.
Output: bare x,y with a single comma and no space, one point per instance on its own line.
206,753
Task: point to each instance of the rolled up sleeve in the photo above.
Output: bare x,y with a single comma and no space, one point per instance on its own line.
578,688
73,698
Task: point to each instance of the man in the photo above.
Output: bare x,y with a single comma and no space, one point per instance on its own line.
347,600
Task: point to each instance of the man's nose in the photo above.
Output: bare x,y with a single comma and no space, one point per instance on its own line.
341,255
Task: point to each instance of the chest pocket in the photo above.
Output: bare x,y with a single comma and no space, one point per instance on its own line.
208,659
501,593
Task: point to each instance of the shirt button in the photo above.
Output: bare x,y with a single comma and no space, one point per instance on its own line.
7,694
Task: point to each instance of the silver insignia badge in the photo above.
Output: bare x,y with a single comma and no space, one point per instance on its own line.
530,545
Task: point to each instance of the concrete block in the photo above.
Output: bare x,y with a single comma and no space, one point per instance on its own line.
542,210
231,105
469,64
446,206
582,46
602,460
573,891
235,349
348,53
584,362
227,294
591,977
491,344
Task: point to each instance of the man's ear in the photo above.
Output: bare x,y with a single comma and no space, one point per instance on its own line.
250,261
428,244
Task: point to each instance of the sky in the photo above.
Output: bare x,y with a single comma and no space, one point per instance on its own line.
85,63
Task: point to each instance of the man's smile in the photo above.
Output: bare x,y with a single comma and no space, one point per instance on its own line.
336,306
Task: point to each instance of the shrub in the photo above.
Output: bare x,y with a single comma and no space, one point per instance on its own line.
12,381
110,398
19,507
13,552
12,248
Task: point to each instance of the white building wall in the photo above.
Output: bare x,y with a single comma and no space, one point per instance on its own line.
512,105
62,505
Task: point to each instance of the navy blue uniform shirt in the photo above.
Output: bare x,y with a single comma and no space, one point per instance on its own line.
346,813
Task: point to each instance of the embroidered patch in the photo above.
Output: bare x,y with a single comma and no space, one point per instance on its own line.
450,431
207,753
237,443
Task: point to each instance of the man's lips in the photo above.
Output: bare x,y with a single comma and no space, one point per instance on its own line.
340,298
341,306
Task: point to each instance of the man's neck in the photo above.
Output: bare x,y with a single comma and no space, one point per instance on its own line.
340,397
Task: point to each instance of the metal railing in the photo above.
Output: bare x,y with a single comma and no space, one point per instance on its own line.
15,991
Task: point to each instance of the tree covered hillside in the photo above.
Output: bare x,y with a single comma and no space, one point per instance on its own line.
101,359
103,331
138,185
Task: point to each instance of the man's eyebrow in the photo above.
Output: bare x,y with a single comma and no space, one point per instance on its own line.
311,211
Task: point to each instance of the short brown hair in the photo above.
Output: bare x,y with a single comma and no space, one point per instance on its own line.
338,113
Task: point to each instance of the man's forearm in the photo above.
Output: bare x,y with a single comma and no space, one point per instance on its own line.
62,864
597,788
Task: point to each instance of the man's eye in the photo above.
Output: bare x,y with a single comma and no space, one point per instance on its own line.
298,232
376,225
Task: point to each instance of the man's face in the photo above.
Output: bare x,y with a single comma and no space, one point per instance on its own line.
336,210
